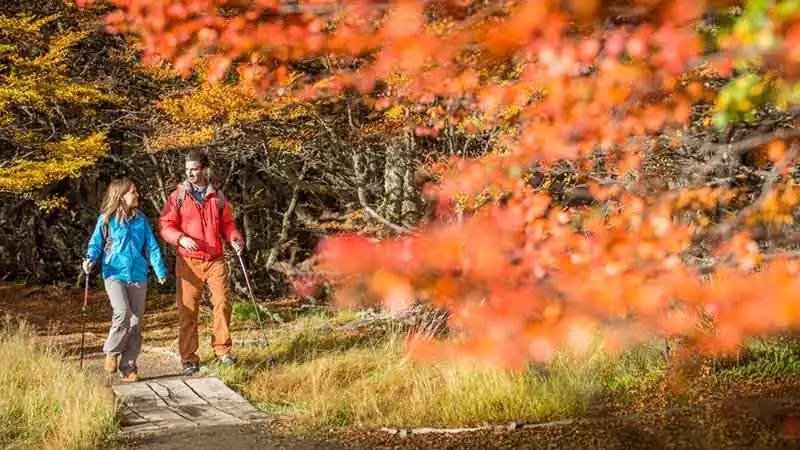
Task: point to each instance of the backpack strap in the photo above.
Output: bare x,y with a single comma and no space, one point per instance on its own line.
221,207
181,196
220,204
145,249
104,232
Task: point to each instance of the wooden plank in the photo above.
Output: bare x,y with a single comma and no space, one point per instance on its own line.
129,418
137,395
245,412
208,415
144,402
224,398
164,418
146,428
184,401
156,406
176,392
214,391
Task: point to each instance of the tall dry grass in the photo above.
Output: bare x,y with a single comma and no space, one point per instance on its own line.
378,386
343,376
46,402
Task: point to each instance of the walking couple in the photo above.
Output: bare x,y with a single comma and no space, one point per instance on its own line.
196,219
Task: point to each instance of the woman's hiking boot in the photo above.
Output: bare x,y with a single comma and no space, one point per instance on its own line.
130,377
110,365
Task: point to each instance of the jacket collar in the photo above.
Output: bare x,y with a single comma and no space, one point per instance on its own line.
121,218
210,189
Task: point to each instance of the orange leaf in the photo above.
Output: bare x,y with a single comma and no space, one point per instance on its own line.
776,150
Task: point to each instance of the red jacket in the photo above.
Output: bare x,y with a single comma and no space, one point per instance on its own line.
199,222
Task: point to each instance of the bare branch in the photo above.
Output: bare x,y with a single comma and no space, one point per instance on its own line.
772,177
723,152
285,222
724,229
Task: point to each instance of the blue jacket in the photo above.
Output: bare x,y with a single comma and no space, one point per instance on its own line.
132,244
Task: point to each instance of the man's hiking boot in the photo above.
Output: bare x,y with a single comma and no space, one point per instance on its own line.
190,368
226,360
130,377
110,365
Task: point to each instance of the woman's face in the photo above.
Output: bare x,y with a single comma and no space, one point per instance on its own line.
131,198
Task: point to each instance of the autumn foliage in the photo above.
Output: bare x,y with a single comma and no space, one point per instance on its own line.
599,87
35,89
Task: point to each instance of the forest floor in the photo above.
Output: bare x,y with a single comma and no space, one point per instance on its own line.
752,412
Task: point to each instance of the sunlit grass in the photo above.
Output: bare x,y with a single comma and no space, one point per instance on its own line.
45,402
371,382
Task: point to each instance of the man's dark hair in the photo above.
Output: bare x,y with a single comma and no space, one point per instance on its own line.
198,157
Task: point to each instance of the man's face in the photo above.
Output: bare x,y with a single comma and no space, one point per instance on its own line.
195,173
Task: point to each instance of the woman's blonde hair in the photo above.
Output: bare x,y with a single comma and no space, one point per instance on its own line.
113,204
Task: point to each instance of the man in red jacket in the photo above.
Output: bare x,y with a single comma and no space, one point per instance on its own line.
196,220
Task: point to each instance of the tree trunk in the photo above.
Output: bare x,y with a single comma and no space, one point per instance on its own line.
393,177
411,196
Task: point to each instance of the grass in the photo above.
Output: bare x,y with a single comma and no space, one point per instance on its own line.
763,358
376,385
305,338
247,311
332,373
638,368
335,370
46,403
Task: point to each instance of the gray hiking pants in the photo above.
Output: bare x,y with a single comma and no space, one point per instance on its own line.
125,336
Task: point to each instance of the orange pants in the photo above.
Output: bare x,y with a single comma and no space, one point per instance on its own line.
192,274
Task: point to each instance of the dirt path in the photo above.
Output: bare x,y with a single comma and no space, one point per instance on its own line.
742,424
154,363
228,438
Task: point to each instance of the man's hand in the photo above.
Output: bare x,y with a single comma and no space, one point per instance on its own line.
188,243
238,246
87,266
162,281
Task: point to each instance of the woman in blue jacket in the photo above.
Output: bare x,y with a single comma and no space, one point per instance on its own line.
124,240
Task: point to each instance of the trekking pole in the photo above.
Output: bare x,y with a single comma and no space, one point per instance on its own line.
252,297
83,316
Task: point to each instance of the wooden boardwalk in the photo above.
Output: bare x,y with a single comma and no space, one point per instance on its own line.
157,406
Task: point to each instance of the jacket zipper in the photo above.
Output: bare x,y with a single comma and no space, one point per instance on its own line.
201,207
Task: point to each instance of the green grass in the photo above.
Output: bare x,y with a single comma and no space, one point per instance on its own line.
762,358
46,403
634,370
246,311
